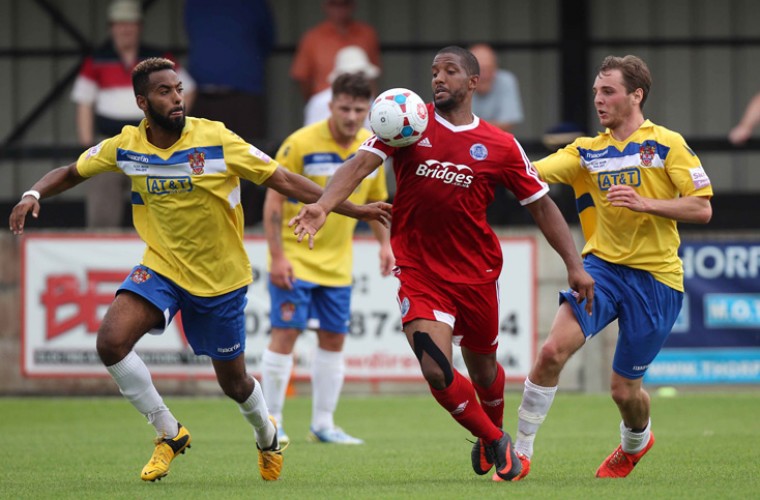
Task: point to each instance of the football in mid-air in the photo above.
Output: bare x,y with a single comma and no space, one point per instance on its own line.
398,117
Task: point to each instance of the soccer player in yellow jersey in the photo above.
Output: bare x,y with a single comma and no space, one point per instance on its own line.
315,284
642,179
185,175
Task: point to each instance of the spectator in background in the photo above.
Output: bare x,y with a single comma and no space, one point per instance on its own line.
497,101
106,102
315,56
743,130
351,59
497,97
229,42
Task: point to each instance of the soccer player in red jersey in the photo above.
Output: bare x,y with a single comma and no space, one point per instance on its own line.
448,258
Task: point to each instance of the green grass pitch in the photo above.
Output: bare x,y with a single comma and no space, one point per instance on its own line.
708,446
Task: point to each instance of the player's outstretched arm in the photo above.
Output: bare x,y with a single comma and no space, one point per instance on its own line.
54,182
553,225
307,191
312,216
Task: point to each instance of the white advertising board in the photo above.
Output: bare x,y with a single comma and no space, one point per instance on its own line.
69,280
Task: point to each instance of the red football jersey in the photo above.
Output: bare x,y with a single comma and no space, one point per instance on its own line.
444,183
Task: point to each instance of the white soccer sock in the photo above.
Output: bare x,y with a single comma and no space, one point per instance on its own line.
255,410
275,376
135,384
327,376
634,442
536,402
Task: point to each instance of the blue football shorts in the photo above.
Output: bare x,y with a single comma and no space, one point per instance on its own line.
330,305
214,326
646,311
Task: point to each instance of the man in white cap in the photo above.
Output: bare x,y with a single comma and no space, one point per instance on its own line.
106,103
351,59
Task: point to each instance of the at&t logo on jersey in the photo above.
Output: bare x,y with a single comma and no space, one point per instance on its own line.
626,177
449,173
169,185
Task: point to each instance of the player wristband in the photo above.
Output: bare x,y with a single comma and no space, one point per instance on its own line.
32,192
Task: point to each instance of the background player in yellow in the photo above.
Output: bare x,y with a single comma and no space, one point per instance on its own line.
185,175
315,284
642,179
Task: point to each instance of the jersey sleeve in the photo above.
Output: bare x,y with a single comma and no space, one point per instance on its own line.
521,177
378,147
560,167
245,160
686,172
99,158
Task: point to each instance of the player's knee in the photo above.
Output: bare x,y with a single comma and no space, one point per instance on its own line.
624,391
435,378
110,349
483,373
435,367
238,389
551,357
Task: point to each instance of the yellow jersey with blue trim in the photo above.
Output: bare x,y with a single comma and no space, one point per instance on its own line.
312,152
655,161
186,200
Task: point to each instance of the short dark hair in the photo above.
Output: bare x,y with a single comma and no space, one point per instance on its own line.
468,59
352,84
142,71
635,73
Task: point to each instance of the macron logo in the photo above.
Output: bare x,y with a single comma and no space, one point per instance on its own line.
425,143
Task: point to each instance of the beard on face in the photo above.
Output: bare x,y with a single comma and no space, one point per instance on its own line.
165,122
455,98
445,104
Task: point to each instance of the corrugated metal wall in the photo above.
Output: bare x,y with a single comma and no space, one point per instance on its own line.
699,90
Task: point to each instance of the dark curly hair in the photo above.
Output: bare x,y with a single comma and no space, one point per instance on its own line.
141,73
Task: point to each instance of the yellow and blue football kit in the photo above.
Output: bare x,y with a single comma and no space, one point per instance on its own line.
313,153
658,164
322,289
186,208
186,200
632,256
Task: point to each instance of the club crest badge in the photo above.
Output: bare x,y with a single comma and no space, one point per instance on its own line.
140,275
287,310
647,155
197,161
478,151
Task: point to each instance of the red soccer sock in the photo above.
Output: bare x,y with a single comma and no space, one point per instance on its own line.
492,397
460,401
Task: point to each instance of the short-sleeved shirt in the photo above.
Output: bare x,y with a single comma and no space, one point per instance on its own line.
659,164
445,181
106,83
315,55
502,103
186,200
313,153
